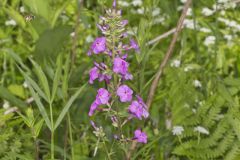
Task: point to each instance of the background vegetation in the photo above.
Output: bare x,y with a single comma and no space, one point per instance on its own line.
45,43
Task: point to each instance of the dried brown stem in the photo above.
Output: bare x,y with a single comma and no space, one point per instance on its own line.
162,36
162,65
168,54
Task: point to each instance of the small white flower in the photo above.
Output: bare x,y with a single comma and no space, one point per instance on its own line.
11,22
159,20
188,68
222,12
194,110
183,1
205,30
72,34
188,23
201,129
25,85
179,8
189,12
232,24
209,40
137,2
156,12
177,130
222,1
22,9
197,83
89,39
123,3
207,12
140,10
228,37
176,63
6,105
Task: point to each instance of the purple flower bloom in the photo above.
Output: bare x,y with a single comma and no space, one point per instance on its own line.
103,96
138,109
98,46
105,77
103,28
134,45
128,76
140,136
93,107
125,93
120,66
124,22
114,4
93,74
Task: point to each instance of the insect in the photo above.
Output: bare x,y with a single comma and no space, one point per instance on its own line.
29,18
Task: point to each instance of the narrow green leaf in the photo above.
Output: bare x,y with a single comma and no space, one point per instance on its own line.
66,69
38,127
25,119
33,84
43,79
40,107
17,59
16,16
58,12
57,76
67,106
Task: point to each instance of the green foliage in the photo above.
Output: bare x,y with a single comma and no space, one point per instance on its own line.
40,52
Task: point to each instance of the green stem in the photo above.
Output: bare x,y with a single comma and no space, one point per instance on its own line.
105,147
52,132
70,135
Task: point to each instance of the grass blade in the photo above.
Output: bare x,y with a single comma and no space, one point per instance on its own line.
57,77
67,106
43,79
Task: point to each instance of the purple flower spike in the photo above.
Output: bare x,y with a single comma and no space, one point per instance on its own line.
125,93
93,107
120,66
140,136
93,74
98,46
134,45
103,96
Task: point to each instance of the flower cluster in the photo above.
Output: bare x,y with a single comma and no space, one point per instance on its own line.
115,45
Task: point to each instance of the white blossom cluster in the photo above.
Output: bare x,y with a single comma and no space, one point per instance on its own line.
210,40
10,22
197,83
177,130
201,129
175,63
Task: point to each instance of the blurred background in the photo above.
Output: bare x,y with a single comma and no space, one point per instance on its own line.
199,90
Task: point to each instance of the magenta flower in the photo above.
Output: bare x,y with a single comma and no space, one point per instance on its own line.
140,136
134,45
125,93
98,46
93,107
93,74
103,96
138,109
120,66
